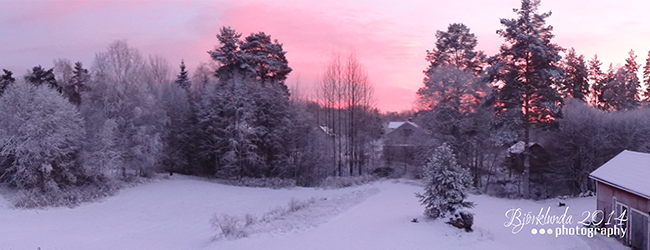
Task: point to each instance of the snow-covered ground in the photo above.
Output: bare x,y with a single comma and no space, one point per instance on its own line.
176,214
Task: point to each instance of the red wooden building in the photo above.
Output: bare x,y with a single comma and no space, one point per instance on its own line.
623,186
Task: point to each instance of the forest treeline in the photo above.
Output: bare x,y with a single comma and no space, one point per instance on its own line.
72,132
71,128
536,92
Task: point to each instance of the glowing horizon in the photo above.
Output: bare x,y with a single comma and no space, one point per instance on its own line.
390,40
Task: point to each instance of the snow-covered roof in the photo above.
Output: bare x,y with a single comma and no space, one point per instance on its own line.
628,170
327,130
518,148
394,125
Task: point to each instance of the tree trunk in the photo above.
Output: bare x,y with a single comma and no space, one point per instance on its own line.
525,185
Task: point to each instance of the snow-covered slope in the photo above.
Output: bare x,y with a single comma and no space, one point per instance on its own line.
175,214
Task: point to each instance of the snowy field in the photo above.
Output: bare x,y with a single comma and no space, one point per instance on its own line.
175,214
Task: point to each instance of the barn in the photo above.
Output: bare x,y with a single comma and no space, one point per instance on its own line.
623,186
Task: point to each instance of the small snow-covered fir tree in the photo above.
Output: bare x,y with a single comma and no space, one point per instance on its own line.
445,183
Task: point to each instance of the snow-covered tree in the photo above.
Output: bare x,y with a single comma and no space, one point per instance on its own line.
243,120
158,69
203,75
523,74
124,92
39,139
120,64
227,136
445,184
63,71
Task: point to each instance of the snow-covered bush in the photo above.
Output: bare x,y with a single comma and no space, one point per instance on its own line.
40,138
250,220
346,181
445,183
229,226
70,197
234,227
295,205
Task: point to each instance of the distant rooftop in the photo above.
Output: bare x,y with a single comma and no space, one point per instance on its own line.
518,148
394,125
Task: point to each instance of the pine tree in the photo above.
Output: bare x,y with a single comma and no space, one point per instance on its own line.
455,47
257,54
445,184
5,80
525,70
646,76
266,57
183,79
229,54
39,76
575,83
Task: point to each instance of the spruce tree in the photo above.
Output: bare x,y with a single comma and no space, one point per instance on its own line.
78,83
525,71
596,77
183,79
632,83
445,184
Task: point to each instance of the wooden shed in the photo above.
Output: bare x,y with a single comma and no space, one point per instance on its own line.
623,186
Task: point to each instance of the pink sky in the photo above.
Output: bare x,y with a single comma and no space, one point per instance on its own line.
389,38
